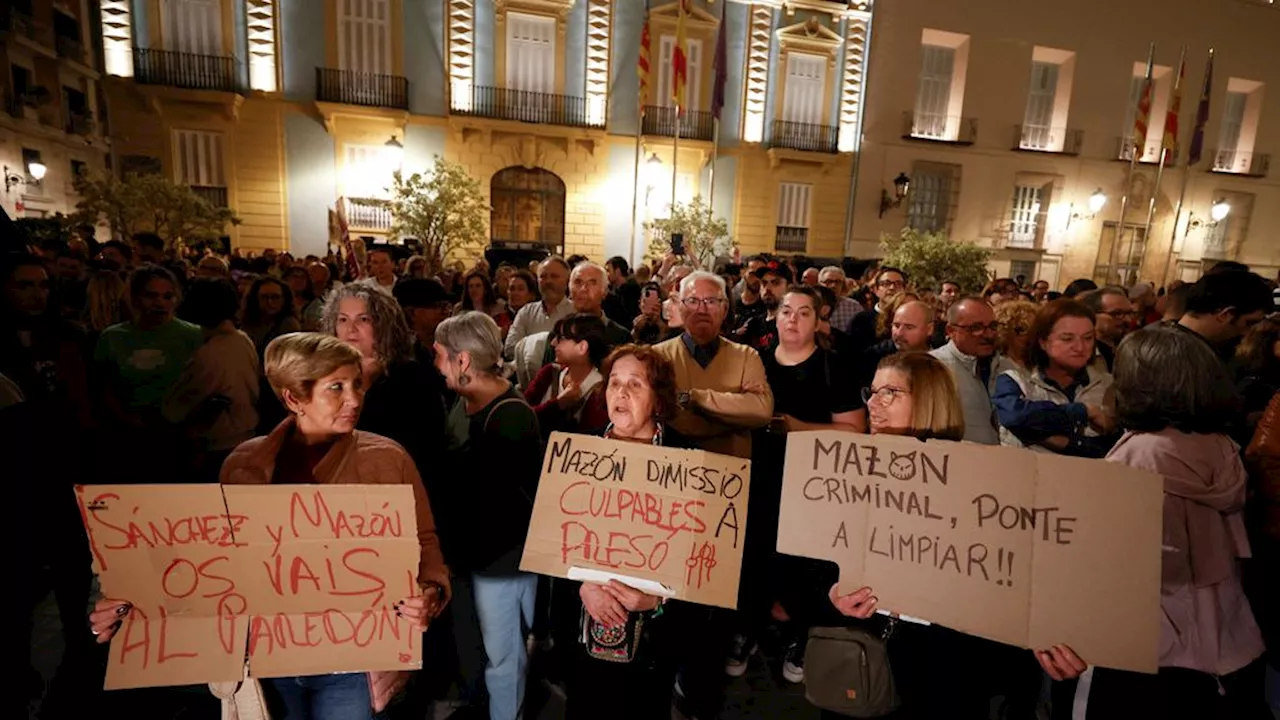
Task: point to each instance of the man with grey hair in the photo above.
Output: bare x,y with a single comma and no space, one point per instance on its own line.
972,329
721,384
588,287
833,278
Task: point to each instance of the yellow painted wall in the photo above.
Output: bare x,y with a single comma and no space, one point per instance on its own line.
253,146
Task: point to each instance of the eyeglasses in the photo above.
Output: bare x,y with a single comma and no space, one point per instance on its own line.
270,296
979,328
886,395
1121,314
709,303
891,283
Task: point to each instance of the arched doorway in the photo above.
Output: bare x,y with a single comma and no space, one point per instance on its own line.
528,207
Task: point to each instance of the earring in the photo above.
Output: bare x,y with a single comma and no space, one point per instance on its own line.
302,413
464,381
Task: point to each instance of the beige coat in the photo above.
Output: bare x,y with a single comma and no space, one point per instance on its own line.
360,458
720,413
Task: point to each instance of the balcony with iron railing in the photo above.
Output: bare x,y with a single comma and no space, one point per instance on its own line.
931,127
80,124
1241,162
804,136
525,106
367,213
1150,152
791,239
69,48
184,70
215,196
351,87
19,21
694,124
1047,139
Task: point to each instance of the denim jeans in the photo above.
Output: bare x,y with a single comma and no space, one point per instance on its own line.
343,696
504,608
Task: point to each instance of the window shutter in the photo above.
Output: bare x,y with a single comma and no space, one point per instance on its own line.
193,26
531,53
1037,133
693,92
1229,135
793,205
197,158
933,98
1026,216
366,171
364,43
806,85
665,79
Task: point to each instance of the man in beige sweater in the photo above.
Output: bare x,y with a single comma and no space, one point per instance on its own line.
722,386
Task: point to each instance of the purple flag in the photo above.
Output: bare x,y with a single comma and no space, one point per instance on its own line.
720,66
1202,114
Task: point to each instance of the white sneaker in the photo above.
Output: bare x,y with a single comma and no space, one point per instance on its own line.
739,657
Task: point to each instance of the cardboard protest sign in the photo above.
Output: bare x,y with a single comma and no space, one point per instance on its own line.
677,518
1021,547
298,579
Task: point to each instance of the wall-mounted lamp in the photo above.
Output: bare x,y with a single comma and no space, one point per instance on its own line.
35,170
1217,213
1097,201
901,184
395,151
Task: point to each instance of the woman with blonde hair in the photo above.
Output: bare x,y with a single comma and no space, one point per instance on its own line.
319,379
913,394
108,302
1013,343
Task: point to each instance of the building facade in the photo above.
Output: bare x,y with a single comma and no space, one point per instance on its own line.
1005,122
1008,118
51,127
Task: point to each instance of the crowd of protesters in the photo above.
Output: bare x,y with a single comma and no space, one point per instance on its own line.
126,364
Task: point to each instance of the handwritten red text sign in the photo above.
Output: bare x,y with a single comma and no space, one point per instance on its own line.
678,517
300,579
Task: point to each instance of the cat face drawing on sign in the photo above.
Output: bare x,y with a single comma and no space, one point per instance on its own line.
902,467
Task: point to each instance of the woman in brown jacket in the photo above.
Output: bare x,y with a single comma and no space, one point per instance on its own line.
319,380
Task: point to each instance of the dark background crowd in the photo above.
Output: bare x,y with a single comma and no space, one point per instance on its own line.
128,362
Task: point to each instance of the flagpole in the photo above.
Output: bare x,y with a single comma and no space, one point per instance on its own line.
635,180
1138,144
675,160
1193,157
1164,155
715,152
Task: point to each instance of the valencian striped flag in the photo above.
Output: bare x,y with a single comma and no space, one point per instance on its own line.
1202,114
1142,118
680,59
1169,144
642,68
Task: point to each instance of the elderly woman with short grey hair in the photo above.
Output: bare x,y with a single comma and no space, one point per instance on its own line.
402,397
495,450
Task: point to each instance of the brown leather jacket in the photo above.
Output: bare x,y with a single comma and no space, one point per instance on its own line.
360,458
1263,461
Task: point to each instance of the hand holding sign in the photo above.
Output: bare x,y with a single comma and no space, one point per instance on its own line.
1012,545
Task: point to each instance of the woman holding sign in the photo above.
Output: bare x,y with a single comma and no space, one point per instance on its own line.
629,656
320,382
939,672
1175,401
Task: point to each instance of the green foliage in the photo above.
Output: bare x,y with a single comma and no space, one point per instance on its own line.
706,237
39,230
149,203
445,209
930,259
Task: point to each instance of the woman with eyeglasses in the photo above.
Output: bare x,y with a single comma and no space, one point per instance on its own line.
940,672
1063,403
811,391
268,312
